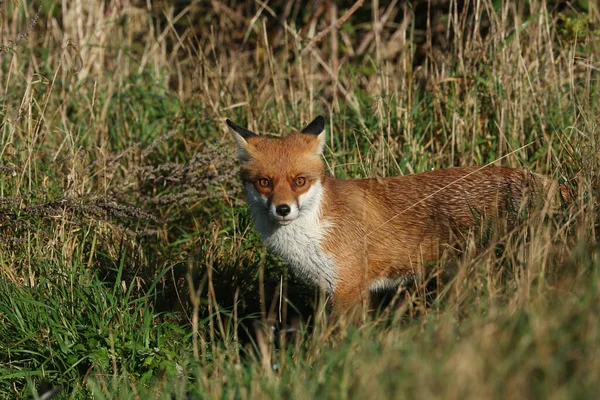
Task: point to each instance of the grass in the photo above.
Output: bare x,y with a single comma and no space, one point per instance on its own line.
129,266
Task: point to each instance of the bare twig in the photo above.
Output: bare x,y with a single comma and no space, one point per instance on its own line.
335,25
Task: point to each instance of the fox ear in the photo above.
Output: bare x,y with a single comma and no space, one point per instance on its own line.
240,135
317,128
244,133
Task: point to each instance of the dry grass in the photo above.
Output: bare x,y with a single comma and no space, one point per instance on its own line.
128,264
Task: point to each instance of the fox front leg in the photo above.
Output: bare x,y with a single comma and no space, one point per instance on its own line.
348,297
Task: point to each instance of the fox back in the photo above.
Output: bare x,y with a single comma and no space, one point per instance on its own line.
357,236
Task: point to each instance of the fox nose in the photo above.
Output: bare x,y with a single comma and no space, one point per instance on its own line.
283,209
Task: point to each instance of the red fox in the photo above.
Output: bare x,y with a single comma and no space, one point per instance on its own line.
359,236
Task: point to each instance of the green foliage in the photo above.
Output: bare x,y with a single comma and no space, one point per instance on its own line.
71,323
576,27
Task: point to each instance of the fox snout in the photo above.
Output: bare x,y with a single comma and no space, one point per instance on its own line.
275,205
283,213
283,210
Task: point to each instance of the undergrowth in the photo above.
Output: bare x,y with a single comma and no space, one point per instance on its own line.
129,266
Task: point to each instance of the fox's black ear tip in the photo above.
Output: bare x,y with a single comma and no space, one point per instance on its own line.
245,133
320,121
316,126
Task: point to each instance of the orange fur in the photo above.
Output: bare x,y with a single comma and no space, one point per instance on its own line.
283,160
393,227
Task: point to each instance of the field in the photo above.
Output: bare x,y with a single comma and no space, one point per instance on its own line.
129,267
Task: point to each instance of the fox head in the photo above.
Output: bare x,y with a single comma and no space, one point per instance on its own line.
283,176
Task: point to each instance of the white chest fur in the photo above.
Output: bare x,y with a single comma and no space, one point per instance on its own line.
299,242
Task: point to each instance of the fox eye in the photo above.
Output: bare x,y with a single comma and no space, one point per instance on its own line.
300,181
264,182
